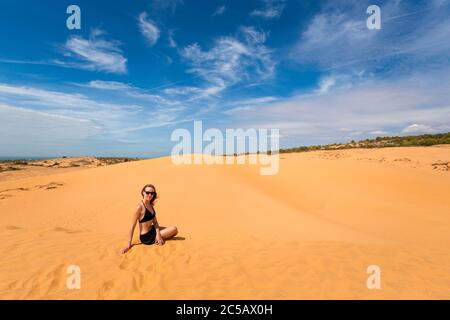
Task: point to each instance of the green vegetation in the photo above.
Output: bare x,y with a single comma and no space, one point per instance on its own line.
14,162
380,142
20,164
3,169
111,160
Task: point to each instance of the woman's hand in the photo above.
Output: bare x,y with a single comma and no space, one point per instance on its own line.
159,240
126,249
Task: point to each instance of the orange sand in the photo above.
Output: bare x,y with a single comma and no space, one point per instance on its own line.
308,232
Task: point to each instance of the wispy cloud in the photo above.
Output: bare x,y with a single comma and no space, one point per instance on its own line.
171,38
338,38
41,97
15,61
271,9
220,11
43,125
378,133
134,92
108,85
326,84
232,60
148,28
335,81
255,101
94,53
107,116
248,104
166,4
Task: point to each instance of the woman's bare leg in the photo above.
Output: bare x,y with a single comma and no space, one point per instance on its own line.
167,232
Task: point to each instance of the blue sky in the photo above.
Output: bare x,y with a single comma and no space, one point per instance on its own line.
137,70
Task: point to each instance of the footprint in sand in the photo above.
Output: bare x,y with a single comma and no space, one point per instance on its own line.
16,189
12,227
107,286
103,255
57,277
13,285
138,281
403,159
442,166
61,229
3,195
51,185
150,268
124,265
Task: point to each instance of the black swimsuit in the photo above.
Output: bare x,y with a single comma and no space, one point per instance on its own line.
150,236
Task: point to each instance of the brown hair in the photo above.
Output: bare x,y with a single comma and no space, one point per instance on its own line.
155,196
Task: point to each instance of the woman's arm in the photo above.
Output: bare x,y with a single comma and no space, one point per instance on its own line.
136,215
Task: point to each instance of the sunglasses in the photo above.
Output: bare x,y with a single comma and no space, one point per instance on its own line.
150,192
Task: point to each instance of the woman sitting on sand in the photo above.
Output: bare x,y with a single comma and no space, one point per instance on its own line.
150,231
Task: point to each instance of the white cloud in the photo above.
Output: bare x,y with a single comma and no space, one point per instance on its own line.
107,116
325,84
271,9
148,28
379,133
94,54
418,128
108,85
35,121
357,111
182,90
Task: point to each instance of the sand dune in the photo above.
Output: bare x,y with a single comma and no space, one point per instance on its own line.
18,169
308,232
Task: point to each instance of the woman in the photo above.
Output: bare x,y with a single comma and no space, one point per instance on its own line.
150,231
